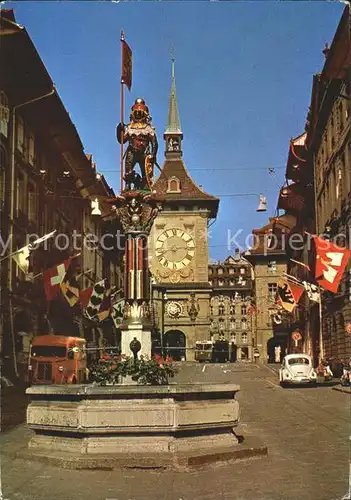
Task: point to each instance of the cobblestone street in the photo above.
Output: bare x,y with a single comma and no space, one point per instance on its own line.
306,431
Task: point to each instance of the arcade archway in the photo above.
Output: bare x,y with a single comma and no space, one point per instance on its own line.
174,343
275,350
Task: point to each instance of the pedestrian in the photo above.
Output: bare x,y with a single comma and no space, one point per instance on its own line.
320,368
328,374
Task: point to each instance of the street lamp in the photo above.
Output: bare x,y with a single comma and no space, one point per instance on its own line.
95,207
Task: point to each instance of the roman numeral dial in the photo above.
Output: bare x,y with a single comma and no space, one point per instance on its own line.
175,249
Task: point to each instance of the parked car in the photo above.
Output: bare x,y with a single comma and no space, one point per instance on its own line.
297,369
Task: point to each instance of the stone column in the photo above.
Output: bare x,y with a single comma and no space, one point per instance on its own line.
136,210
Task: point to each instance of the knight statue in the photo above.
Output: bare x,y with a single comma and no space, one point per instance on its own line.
142,146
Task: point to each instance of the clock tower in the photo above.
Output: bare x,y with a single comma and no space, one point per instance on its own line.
178,248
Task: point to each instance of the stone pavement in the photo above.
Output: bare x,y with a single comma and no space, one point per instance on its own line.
306,430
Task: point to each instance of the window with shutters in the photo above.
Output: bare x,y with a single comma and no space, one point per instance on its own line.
4,114
20,194
32,203
31,151
20,134
244,338
341,116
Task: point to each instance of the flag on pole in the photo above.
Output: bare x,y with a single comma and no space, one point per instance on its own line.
40,240
117,312
96,299
84,296
331,261
127,64
288,294
105,308
53,278
312,291
22,259
301,264
21,256
70,289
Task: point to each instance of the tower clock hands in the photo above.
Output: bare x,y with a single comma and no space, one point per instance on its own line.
172,249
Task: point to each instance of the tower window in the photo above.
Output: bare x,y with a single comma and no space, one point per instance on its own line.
272,290
272,266
173,185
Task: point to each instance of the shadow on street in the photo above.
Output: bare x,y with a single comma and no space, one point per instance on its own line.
14,403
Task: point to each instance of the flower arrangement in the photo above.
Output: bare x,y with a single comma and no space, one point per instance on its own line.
145,371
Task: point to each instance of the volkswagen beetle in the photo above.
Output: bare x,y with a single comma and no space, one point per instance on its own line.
297,369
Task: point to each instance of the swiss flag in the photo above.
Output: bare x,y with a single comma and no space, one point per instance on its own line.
331,261
53,278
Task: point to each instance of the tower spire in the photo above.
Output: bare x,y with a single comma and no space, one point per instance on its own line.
173,133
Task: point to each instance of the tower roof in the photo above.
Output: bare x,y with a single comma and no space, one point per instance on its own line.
188,190
173,122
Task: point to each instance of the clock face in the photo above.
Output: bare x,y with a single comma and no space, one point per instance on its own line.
175,249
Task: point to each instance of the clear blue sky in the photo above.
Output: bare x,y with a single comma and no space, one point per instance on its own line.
243,73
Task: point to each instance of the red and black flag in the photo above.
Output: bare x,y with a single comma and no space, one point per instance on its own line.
127,63
70,288
288,294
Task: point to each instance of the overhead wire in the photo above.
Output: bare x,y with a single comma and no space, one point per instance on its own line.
234,169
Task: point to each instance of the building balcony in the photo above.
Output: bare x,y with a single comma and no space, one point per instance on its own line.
298,167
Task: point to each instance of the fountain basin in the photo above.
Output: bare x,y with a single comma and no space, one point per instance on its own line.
147,426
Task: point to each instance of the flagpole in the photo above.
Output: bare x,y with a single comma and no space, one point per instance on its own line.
122,111
321,347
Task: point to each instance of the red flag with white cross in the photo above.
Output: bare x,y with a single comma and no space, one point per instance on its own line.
53,278
331,261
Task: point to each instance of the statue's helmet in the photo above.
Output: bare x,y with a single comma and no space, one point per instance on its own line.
139,110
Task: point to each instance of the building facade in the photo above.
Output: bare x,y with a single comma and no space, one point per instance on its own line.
178,248
47,183
328,141
232,315
268,259
297,200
